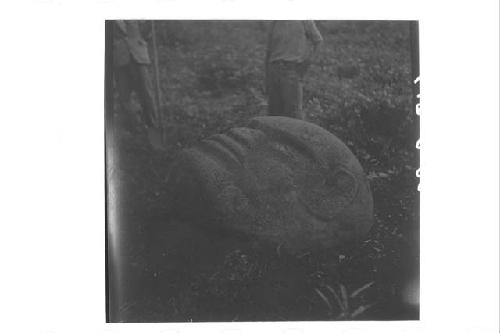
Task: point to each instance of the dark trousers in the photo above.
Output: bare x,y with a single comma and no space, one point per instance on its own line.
284,89
134,77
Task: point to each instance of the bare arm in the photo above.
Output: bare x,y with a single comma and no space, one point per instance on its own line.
316,39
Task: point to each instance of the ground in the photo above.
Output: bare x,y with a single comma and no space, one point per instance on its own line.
211,76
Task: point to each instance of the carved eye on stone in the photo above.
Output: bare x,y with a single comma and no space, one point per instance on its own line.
329,194
341,182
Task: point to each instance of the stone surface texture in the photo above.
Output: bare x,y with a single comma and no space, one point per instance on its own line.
279,179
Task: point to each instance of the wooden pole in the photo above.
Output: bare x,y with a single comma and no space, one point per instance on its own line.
110,151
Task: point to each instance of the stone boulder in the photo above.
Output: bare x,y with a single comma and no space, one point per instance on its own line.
279,179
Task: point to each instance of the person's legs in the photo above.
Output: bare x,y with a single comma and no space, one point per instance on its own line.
292,90
274,96
144,89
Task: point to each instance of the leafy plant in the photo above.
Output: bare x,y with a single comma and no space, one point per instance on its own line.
344,301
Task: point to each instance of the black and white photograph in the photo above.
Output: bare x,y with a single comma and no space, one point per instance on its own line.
236,166
262,170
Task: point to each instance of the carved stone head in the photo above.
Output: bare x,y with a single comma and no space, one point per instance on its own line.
279,179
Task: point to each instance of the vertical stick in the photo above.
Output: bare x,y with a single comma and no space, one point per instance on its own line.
110,151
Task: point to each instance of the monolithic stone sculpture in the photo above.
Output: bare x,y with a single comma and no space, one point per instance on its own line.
279,179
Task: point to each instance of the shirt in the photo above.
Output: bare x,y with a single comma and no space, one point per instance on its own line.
290,40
